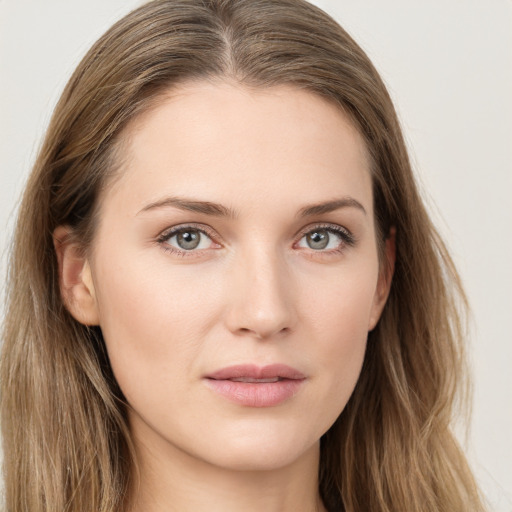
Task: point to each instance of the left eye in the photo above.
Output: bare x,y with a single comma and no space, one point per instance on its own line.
188,239
322,239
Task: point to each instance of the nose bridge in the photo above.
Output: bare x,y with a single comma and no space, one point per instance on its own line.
260,287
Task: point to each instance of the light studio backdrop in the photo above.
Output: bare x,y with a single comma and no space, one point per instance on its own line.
448,66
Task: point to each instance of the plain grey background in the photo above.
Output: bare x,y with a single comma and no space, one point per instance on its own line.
448,66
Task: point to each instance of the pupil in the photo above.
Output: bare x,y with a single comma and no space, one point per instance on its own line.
188,239
318,239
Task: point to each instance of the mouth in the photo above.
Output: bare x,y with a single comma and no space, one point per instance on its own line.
252,372
256,386
249,379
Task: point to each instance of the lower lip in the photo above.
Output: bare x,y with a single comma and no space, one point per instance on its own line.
254,394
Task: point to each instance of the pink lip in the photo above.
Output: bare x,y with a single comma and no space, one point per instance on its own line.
256,394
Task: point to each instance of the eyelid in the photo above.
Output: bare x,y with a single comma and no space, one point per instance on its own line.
203,228
167,233
327,226
347,236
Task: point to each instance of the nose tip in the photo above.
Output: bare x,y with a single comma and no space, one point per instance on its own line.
260,303
262,328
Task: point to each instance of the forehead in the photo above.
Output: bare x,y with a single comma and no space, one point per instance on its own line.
222,141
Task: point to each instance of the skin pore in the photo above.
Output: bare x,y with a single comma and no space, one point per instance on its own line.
241,232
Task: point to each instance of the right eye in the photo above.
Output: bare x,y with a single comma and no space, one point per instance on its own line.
186,239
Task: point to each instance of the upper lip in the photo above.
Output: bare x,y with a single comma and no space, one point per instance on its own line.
253,371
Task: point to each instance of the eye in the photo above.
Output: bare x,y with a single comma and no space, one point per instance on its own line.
186,239
329,238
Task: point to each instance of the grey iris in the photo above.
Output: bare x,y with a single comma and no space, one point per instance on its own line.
318,239
188,239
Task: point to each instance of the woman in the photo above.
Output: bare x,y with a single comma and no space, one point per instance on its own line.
225,292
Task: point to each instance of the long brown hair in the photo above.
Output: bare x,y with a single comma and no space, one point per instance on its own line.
66,442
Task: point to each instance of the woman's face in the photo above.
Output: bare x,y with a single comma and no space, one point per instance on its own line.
235,275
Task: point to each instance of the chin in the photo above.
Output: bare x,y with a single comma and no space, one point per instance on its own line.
262,451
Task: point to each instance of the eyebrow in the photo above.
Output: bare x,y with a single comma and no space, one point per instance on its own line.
190,205
330,206
218,210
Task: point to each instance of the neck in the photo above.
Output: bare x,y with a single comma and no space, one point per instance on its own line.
171,480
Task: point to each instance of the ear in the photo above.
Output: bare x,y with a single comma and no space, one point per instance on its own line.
385,278
75,278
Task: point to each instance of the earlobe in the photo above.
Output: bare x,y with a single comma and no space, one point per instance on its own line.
75,278
385,278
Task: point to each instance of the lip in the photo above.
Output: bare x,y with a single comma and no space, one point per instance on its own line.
261,386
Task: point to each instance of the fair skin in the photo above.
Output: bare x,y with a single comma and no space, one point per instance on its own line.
183,289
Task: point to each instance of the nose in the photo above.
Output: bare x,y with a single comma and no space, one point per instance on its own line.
260,297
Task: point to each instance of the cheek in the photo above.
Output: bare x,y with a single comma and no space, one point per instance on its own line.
340,315
343,305
153,319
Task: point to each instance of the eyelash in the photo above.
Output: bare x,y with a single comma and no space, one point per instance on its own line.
169,233
347,238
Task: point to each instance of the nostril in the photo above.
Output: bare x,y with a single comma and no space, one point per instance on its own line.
261,333
265,313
